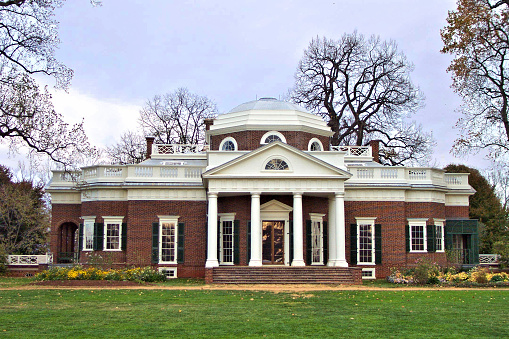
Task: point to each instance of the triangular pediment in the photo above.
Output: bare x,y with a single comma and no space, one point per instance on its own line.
275,206
300,165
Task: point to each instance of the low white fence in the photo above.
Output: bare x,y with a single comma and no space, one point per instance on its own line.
29,260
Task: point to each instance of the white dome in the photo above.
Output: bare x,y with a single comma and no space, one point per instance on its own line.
267,114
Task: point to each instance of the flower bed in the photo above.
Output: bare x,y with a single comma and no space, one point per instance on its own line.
146,274
426,272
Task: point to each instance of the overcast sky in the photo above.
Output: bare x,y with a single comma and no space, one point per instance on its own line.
127,51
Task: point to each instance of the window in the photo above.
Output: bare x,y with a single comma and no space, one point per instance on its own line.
228,144
417,232
272,136
277,165
168,239
88,233
365,240
169,272
368,273
226,235
112,233
316,238
315,145
439,235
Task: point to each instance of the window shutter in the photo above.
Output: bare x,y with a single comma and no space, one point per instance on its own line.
378,244
430,233
124,236
325,242
353,244
155,242
180,243
309,244
448,237
290,245
80,238
236,239
98,236
248,241
219,258
407,238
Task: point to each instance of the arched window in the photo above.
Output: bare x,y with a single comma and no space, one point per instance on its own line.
272,136
228,144
315,145
277,165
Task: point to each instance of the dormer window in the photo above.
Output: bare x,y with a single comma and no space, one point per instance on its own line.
315,145
271,137
228,144
277,165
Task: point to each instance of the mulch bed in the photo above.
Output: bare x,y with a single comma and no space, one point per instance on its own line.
87,283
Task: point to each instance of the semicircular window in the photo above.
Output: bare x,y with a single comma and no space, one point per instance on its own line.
228,146
272,138
315,146
277,165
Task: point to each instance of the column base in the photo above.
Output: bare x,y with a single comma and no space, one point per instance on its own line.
211,263
255,262
298,263
337,263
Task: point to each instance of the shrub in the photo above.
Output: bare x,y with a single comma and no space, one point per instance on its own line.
78,272
426,272
501,248
3,259
478,275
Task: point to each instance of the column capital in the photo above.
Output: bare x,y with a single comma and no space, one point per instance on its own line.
339,194
212,194
255,193
297,194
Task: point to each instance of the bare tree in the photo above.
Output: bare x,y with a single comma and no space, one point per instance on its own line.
28,39
129,150
177,117
363,89
477,34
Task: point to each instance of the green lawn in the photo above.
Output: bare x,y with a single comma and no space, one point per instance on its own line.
239,314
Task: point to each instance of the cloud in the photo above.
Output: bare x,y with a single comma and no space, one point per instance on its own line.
105,120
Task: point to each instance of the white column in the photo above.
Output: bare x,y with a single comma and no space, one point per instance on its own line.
256,231
332,232
212,232
340,230
298,239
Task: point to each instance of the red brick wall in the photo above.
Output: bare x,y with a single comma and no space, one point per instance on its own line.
460,212
250,140
60,214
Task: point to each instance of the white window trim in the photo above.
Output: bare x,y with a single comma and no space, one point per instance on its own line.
373,275
440,222
87,221
418,222
165,270
113,220
167,219
226,140
222,218
280,135
311,143
366,221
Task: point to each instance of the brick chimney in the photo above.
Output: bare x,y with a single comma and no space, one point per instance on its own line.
375,150
150,142
208,123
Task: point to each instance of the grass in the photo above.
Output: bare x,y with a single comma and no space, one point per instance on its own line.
241,314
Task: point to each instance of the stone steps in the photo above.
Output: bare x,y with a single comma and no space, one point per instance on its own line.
283,275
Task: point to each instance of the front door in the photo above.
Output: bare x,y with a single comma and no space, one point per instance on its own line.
273,242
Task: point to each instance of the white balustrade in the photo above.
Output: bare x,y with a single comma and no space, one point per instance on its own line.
365,173
143,171
417,174
177,148
354,151
454,179
29,260
90,172
389,173
113,172
169,172
489,259
193,172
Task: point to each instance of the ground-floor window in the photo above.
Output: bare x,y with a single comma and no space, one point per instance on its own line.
317,239
365,240
88,233
226,238
417,232
112,233
168,239
439,235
